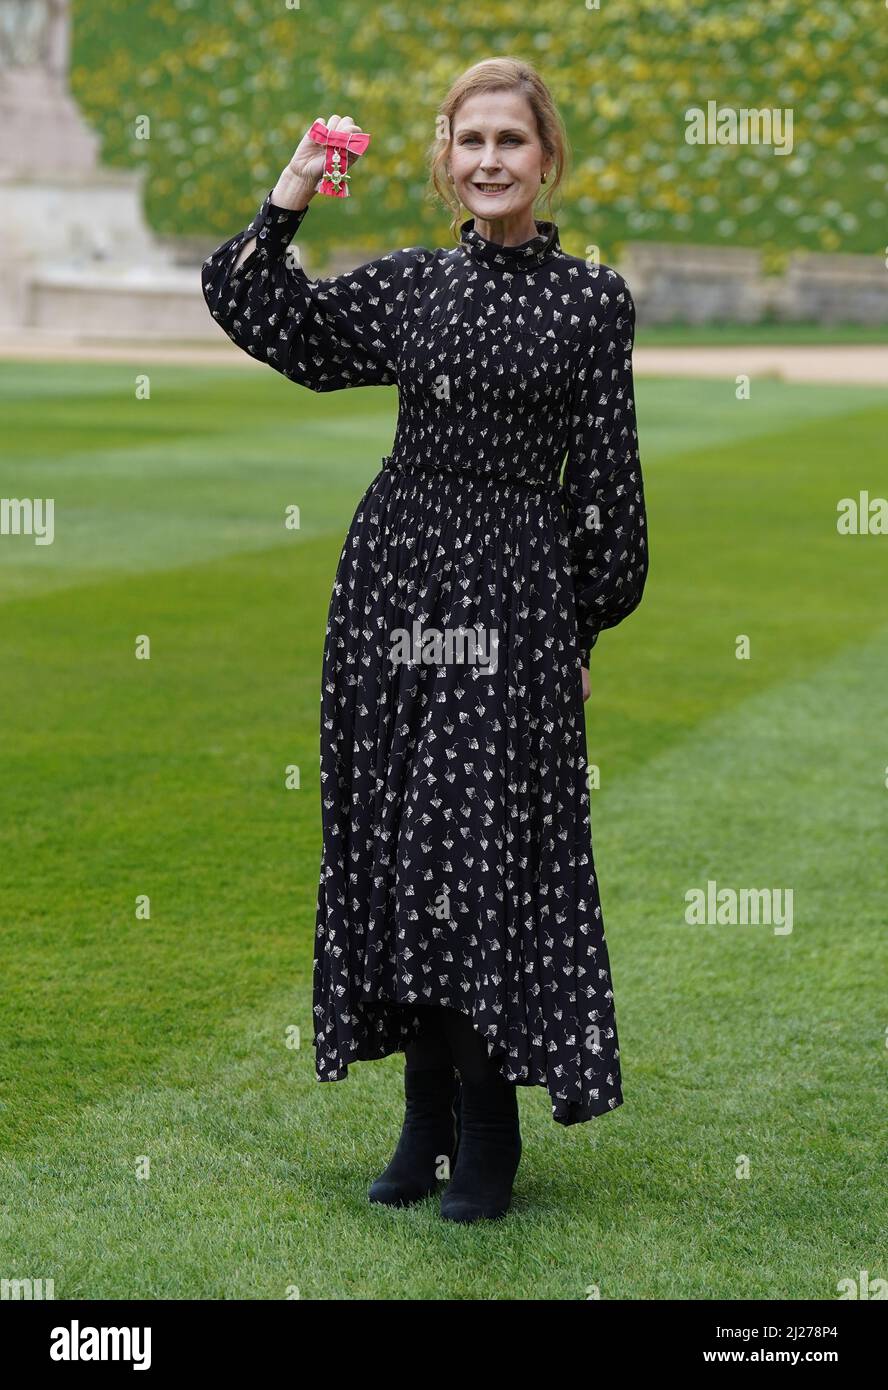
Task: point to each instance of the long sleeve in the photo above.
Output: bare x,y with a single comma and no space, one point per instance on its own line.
326,334
602,490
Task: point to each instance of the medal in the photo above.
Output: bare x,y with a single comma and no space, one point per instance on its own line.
337,146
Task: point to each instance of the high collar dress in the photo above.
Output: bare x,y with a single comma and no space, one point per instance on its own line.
457,865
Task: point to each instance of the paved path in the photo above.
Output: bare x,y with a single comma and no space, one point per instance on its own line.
863,365
860,366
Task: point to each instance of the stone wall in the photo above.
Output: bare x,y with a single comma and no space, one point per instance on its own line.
708,284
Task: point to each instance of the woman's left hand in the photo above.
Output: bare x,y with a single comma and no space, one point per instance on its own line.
587,686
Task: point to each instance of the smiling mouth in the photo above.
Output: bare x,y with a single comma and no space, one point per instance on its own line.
492,187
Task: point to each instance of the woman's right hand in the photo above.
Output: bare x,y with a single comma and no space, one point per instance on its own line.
307,161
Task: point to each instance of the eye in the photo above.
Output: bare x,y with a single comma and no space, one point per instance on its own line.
473,139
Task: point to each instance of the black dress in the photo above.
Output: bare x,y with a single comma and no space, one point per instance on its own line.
457,865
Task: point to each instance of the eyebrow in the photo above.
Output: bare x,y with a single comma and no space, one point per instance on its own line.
507,130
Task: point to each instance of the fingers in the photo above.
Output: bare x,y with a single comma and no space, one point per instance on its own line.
346,124
341,123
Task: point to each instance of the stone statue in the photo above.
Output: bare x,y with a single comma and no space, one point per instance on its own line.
43,129
35,34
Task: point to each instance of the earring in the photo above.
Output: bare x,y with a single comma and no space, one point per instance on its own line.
543,179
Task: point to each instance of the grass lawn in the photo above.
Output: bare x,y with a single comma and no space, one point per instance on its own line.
123,1039
761,334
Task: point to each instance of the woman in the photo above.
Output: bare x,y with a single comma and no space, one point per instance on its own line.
458,913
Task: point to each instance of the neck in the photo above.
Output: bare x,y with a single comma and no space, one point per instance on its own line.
511,230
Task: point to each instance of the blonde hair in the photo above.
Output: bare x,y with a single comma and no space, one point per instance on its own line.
498,75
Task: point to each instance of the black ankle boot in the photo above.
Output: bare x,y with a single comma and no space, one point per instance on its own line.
429,1134
489,1153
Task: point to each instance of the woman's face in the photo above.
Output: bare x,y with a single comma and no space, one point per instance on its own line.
495,147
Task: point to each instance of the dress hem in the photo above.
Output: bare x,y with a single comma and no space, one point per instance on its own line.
564,1113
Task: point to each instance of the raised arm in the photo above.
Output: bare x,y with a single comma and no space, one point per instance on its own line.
291,191
602,489
327,334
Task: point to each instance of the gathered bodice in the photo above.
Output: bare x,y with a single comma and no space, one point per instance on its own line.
511,364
